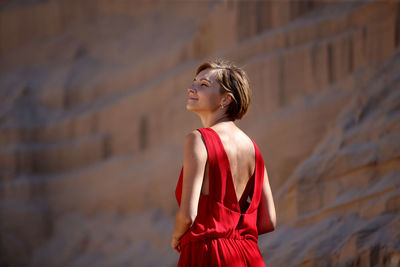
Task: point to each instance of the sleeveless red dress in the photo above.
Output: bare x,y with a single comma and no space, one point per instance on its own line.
224,232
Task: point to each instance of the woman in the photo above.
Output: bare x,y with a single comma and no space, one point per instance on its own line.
223,192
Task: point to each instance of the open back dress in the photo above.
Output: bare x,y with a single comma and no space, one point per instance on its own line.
224,232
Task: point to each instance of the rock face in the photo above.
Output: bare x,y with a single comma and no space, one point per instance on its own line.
92,119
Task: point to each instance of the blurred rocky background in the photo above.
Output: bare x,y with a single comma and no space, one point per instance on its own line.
93,117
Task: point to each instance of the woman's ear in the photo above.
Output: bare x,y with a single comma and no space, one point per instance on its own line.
227,100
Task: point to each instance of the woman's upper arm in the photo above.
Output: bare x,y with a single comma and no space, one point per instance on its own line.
194,162
268,199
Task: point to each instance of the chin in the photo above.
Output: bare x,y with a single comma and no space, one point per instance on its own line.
190,108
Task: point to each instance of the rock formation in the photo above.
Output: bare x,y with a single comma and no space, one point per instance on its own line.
92,121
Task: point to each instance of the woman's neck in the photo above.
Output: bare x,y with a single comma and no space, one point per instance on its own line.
211,123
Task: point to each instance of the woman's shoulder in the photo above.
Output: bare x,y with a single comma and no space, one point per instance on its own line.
194,142
193,137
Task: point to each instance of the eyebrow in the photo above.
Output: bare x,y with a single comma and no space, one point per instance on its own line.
202,79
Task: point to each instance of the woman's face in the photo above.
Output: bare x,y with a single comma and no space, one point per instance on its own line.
204,94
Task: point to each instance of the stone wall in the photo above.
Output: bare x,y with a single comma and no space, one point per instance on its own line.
92,119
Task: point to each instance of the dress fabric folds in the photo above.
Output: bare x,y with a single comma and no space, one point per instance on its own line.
224,232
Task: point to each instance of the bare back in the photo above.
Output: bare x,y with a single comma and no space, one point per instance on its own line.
241,154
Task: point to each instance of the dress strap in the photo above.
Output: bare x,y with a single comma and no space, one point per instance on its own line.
218,171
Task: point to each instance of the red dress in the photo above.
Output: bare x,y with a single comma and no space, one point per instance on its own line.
224,232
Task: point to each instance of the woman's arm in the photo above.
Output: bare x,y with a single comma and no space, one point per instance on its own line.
194,162
266,221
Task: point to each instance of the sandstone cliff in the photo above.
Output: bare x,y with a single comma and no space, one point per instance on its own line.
92,119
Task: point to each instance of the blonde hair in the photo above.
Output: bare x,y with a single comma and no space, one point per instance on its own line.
233,81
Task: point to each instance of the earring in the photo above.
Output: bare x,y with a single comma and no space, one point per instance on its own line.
222,106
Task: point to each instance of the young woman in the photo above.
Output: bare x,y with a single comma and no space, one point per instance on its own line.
223,192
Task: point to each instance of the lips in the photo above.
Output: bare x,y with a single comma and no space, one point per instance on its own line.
192,98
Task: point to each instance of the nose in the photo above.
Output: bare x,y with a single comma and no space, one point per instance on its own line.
191,90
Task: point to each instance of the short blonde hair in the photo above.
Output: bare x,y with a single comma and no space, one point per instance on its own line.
233,81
